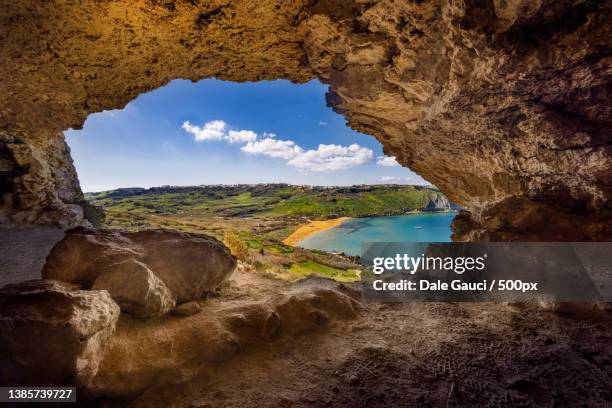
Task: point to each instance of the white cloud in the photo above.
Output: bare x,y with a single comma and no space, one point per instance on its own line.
213,130
332,157
280,149
321,123
325,158
241,136
390,179
219,130
387,161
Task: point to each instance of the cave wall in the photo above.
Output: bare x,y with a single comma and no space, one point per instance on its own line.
504,105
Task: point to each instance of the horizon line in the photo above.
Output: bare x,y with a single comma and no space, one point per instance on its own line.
259,184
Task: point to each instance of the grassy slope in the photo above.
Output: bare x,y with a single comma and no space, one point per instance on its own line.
360,204
271,200
259,215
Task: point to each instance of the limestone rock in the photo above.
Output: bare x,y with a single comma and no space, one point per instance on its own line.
503,105
216,335
52,333
136,289
84,254
187,309
186,265
438,202
191,266
253,324
314,309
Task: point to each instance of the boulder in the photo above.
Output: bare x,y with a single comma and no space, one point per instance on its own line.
189,266
314,308
136,289
85,253
52,333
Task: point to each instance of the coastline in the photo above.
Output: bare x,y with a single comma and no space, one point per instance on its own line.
306,230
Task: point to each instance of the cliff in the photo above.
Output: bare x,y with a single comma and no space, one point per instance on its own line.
439,202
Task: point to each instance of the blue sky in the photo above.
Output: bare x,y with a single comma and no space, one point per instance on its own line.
217,132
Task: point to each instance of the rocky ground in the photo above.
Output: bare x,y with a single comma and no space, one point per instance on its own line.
254,341
423,354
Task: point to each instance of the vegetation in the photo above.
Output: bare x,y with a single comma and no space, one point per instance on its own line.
237,246
309,267
253,220
267,199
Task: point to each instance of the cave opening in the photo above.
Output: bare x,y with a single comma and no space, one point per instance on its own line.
264,167
266,131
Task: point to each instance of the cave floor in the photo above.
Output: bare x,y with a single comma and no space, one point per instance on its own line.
406,355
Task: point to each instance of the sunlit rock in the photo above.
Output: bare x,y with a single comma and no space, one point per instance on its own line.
136,289
175,266
216,335
191,266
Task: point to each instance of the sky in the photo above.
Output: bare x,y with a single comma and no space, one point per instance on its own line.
218,132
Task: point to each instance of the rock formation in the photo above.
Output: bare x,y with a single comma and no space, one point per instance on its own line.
145,272
183,345
51,333
504,105
438,202
136,289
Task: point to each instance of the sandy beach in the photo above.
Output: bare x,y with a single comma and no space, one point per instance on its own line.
312,227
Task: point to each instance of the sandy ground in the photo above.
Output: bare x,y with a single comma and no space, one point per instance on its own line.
312,227
410,355
23,252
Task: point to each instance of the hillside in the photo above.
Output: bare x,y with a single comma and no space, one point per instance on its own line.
272,199
253,220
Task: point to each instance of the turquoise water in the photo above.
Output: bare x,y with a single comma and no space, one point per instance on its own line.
348,236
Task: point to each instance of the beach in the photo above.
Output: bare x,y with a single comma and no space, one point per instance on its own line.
312,227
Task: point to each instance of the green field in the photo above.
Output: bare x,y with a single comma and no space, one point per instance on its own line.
268,199
253,220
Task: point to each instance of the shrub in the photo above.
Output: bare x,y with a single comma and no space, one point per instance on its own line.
236,245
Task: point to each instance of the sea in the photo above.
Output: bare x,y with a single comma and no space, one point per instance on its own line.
349,236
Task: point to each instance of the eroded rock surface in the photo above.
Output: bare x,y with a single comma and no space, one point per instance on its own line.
239,322
146,272
52,333
136,289
190,265
504,105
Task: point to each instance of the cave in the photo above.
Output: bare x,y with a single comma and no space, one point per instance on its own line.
503,105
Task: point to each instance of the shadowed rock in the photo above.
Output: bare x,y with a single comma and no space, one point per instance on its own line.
314,308
146,272
52,333
187,309
216,335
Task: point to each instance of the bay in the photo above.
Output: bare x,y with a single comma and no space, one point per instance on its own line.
348,236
